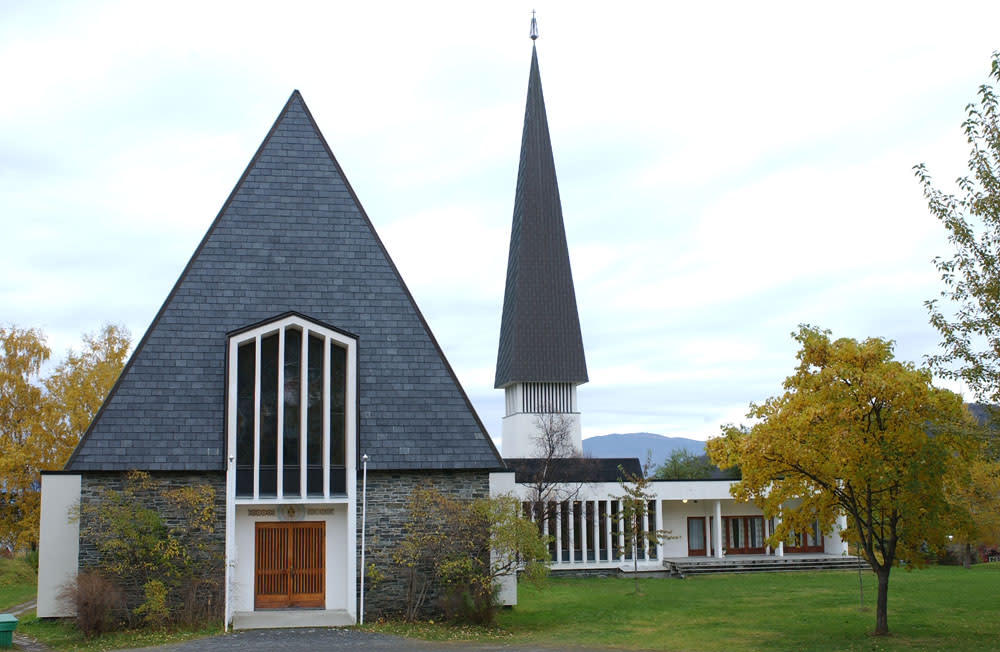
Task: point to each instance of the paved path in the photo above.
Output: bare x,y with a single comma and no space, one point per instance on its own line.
313,640
300,640
22,642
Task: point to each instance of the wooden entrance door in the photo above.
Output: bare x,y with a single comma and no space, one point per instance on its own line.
696,536
289,568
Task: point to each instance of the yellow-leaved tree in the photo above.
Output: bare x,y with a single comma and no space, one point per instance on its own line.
860,434
42,418
22,419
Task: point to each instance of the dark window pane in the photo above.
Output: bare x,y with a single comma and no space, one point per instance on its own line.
314,479
268,415
314,417
245,364
338,403
293,401
338,480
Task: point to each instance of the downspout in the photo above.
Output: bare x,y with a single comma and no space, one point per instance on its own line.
364,509
230,537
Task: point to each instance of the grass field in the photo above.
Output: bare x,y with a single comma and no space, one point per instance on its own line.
941,608
17,582
62,635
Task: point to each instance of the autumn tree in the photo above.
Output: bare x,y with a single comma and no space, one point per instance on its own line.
460,549
969,317
976,491
856,433
23,411
42,418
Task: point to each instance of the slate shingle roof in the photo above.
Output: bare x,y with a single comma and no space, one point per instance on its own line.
572,469
540,337
291,237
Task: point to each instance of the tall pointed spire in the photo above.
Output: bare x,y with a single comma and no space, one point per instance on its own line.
540,337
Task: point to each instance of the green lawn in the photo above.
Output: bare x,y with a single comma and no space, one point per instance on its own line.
17,582
62,635
941,608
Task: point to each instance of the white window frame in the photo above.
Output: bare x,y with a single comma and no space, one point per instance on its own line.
329,335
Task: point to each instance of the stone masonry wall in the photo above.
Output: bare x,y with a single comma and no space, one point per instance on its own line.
92,485
388,492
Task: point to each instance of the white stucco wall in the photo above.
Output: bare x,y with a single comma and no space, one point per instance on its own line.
520,433
502,484
58,542
340,553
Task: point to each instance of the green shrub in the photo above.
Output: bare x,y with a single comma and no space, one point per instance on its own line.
153,611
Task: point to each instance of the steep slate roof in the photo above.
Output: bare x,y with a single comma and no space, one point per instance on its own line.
540,337
291,237
572,469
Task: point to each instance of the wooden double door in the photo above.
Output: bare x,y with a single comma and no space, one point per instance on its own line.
289,565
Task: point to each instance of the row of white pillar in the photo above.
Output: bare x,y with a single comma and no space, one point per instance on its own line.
590,531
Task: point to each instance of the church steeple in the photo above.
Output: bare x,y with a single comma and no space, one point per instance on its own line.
541,348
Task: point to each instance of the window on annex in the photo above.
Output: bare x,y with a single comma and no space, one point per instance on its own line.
291,392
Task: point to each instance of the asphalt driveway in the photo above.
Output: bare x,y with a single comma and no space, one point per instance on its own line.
321,640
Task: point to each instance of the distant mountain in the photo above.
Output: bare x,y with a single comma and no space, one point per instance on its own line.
637,443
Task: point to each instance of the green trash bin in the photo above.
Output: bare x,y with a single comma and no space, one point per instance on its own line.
8,624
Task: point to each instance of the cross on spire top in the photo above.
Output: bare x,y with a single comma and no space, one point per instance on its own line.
534,26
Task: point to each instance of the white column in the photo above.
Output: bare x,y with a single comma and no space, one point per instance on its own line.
256,421
621,532
767,533
545,521
280,459
708,537
841,526
645,530
659,526
583,529
597,531
303,411
572,529
718,529
607,530
781,544
558,532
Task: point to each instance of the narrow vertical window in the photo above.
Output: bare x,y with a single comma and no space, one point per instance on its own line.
269,415
292,418
338,405
314,419
245,368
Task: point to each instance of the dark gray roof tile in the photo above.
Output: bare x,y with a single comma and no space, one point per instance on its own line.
279,245
540,338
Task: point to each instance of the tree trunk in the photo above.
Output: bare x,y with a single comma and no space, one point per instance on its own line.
967,556
635,564
881,604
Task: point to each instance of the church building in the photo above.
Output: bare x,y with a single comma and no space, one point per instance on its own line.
288,349
290,369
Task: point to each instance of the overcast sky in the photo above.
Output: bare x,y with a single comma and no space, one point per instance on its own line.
727,171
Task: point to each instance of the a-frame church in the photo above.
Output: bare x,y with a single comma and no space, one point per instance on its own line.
288,348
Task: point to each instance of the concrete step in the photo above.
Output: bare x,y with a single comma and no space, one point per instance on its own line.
773,565
277,618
